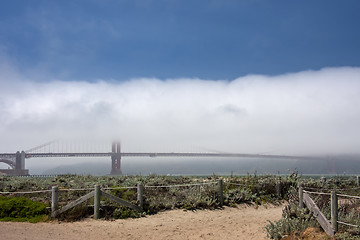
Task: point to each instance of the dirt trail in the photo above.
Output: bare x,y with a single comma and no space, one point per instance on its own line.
243,222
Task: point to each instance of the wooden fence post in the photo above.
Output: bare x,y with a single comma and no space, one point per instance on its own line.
54,200
278,189
334,211
97,202
301,197
140,191
221,195
323,180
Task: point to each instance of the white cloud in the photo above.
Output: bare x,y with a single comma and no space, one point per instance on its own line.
310,112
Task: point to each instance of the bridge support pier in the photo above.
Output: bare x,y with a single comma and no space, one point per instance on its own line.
19,165
20,160
116,159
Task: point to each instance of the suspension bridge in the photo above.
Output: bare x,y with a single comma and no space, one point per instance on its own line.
16,161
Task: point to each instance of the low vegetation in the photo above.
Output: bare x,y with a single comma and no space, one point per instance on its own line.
21,209
296,221
161,192
189,193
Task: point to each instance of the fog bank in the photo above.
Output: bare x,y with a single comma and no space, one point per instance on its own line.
309,112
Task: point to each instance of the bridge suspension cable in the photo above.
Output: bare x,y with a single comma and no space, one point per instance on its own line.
41,146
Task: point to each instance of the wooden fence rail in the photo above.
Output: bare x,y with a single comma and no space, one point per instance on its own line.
320,217
72,204
330,227
97,193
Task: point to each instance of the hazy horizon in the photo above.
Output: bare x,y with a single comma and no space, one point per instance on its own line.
338,165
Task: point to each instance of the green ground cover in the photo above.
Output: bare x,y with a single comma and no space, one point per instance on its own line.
189,193
21,209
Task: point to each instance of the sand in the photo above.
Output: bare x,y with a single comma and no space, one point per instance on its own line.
243,222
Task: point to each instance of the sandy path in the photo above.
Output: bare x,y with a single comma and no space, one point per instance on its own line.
244,222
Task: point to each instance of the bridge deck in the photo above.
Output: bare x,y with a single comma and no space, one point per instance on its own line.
153,154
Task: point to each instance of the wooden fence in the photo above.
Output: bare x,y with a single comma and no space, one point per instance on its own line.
329,226
140,189
96,193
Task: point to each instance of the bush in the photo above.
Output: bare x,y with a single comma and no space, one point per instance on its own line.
123,212
294,221
21,209
125,194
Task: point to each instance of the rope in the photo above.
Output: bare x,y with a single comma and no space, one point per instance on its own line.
237,184
42,191
181,185
119,188
348,188
332,189
319,193
340,195
343,195
318,189
89,189
348,224
75,189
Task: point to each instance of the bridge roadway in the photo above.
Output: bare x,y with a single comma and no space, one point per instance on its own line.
153,154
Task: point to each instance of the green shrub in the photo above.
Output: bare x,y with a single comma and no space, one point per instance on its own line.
123,212
76,213
294,221
21,209
125,194
237,195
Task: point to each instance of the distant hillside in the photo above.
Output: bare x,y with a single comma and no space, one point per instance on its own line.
90,168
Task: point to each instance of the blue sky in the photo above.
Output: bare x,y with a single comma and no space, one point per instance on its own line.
212,39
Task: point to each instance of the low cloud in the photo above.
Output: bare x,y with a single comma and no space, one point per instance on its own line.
309,112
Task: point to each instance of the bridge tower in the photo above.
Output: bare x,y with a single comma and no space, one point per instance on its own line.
17,165
20,160
116,159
